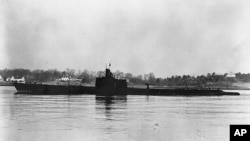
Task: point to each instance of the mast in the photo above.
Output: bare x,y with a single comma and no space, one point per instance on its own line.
108,73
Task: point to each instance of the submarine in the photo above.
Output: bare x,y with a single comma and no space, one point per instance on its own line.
108,85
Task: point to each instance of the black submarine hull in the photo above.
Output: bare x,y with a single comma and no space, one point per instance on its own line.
45,89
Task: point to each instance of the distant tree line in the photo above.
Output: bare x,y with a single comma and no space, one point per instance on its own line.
47,75
89,77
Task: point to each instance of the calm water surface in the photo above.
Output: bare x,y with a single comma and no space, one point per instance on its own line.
87,117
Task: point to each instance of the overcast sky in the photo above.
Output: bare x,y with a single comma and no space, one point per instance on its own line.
166,37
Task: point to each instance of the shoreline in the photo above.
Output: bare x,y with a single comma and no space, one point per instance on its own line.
4,83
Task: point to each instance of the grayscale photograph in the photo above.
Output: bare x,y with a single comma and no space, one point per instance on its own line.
124,70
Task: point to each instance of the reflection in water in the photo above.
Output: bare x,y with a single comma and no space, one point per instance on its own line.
110,102
114,110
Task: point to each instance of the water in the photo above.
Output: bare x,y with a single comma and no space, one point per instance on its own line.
86,117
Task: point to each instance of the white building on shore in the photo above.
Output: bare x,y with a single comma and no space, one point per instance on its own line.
15,79
231,75
68,79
